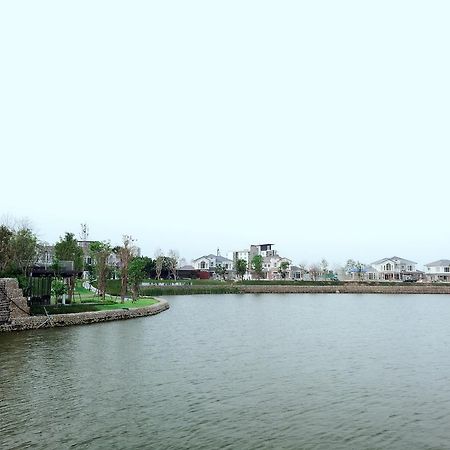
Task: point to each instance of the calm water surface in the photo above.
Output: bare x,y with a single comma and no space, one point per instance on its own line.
237,372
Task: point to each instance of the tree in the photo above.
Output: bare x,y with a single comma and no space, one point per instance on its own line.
303,270
125,253
136,274
59,288
257,266
24,250
6,236
221,271
159,261
314,271
172,263
359,267
284,265
324,266
67,249
241,268
149,267
100,252
349,265
355,267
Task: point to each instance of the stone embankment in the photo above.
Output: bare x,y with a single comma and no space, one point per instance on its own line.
348,288
12,302
64,320
15,314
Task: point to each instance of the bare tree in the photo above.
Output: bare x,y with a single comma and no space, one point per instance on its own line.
303,270
172,262
125,253
159,262
314,271
324,266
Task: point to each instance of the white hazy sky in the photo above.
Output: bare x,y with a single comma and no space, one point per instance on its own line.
320,126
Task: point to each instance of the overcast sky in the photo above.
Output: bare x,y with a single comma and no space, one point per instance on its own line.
320,126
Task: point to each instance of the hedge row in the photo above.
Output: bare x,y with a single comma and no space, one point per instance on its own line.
67,309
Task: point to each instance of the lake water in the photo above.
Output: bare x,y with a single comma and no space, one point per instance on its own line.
237,372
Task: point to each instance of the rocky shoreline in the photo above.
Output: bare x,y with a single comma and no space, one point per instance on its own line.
65,320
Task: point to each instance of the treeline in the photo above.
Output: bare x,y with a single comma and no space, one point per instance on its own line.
19,249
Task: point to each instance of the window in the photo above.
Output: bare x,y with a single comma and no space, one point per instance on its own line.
446,269
388,266
202,265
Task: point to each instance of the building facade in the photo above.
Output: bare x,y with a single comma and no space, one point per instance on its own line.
396,269
438,270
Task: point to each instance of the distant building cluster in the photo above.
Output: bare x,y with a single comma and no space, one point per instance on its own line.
400,269
272,263
389,269
276,267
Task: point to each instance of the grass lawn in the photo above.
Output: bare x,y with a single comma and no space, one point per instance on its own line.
141,303
86,307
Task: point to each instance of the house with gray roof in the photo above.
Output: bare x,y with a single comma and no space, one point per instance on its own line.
396,269
209,263
438,270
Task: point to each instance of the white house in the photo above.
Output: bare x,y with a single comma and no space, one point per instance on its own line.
208,263
272,266
271,260
244,255
438,270
396,269
240,254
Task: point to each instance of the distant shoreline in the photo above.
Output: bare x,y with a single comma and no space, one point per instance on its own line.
349,288
294,288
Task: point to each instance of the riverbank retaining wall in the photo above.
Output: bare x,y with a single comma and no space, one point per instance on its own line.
347,288
13,304
64,320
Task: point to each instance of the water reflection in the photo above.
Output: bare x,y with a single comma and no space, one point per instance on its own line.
234,371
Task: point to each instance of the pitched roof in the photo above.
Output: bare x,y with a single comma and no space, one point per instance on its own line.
395,259
440,263
217,258
220,258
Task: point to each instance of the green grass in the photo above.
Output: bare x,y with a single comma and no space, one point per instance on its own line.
83,295
79,289
141,303
87,307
